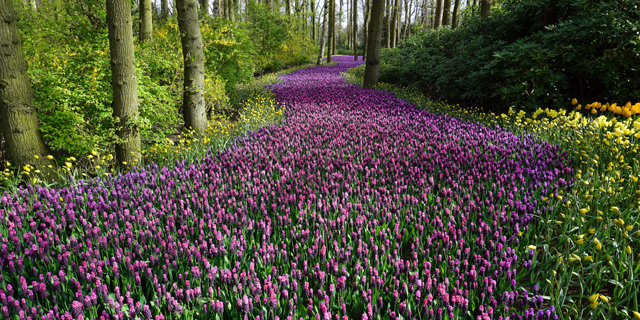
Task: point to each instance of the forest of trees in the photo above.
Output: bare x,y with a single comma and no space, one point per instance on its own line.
115,75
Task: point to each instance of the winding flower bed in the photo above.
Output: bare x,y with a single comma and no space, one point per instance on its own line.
358,207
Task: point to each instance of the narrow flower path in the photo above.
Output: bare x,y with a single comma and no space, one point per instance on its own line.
359,205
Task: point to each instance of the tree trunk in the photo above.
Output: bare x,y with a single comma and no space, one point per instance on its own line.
146,26
313,20
438,17
446,13
372,69
164,5
323,32
485,8
407,18
366,28
18,118
333,27
288,2
394,23
330,30
387,35
204,8
123,81
192,49
355,30
456,9
33,5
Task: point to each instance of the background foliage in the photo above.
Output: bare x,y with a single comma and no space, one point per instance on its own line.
588,50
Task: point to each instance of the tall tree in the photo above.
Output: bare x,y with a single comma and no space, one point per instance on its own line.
18,118
333,27
146,26
394,23
123,81
446,13
204,7
367,19
313,20
485,8
372,69
288,2
438,17
330,30
164,9
355,30
193,105
323,32
387,28
456,9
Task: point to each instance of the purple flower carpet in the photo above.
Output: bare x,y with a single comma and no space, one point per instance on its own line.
359,206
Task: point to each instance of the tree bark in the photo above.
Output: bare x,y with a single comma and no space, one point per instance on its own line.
407,18
438,17
164,7
367,20
387,35
454,19
355,30
485,8
288,2
123,81
446,13
193,105
146,26
372,69
313,20
330,30
323,33
204,8
18,117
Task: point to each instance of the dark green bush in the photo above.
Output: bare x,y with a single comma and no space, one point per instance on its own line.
528,54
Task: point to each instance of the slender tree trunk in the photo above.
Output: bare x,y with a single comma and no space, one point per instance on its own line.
330,30
334,33
456,9
407,18
123,81
18,118
192,49
33,5
372,69
146,25
366,28
313,20
221,9
388,24
204,8
288,2
164,9
485,8
355,29
323,32
394,23
438,16
446,13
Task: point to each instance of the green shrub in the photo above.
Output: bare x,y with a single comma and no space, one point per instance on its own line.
520,56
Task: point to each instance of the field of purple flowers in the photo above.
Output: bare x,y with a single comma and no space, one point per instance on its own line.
359,206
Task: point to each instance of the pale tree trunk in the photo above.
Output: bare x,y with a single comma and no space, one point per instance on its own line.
18,118
367,19
193,105
446,13
204,8
330,30
456,9
323,32
33,5
313,20
164,8
123,81
333,27
288,2
372,69
485,8
221,9
388,24
355,29
407,18
146,26
438,16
